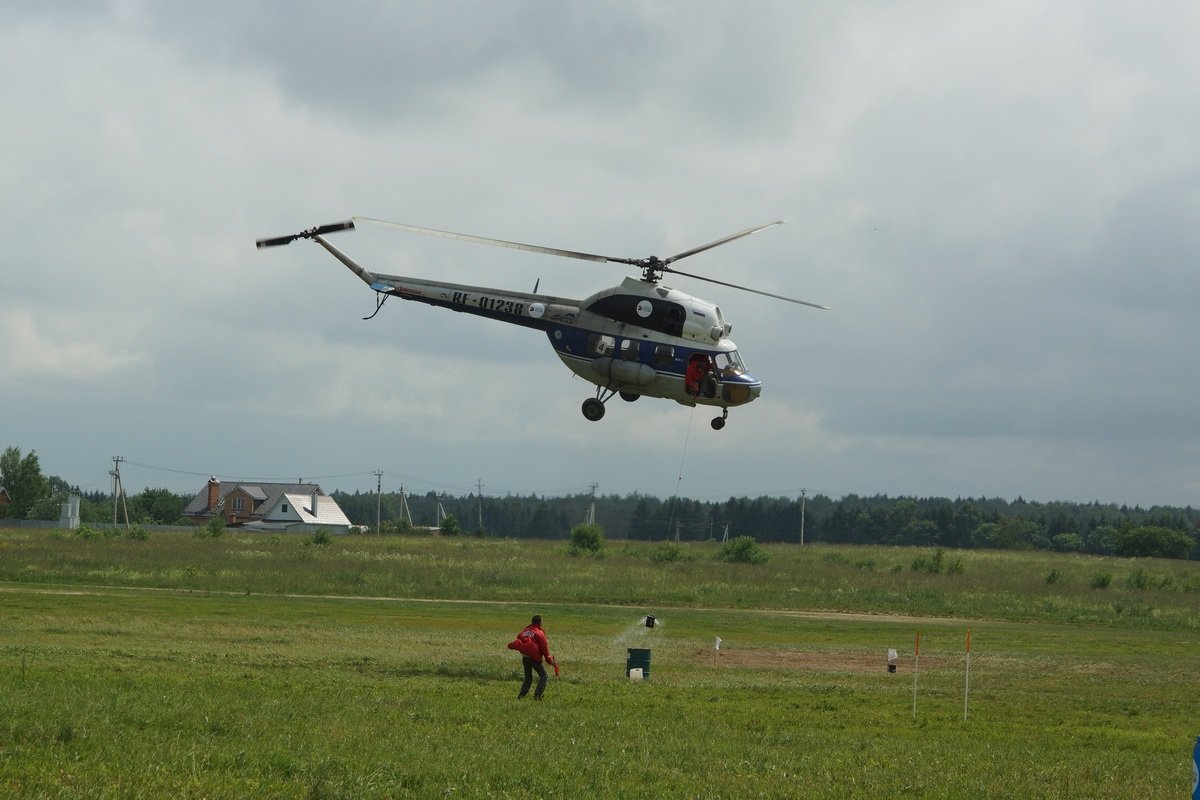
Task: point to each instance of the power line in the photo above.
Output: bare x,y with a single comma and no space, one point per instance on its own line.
167,469
461,489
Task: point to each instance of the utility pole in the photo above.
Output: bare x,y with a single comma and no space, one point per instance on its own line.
378,497
591,514
116,476
118,490
405,514
479,502
802,495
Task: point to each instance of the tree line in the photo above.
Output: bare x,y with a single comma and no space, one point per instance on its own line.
993,523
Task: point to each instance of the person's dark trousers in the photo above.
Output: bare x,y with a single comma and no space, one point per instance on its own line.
530,665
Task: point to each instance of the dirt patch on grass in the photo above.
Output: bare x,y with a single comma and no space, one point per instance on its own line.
815,661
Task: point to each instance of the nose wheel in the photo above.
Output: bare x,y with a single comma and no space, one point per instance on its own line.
719,422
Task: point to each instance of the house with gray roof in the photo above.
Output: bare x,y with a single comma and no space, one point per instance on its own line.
258,505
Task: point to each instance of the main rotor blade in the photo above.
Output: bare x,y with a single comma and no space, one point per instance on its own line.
648,264
744,288
467,237
720,242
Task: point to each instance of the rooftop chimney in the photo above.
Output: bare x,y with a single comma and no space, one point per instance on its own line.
214,491
316,493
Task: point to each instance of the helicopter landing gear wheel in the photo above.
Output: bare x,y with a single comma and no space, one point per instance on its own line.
593,409
719,422
629,397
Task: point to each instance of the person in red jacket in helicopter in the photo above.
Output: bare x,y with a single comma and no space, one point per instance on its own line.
534,648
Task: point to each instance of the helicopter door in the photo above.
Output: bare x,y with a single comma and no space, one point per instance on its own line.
700,376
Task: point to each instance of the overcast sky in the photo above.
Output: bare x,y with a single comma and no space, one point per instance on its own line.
999,201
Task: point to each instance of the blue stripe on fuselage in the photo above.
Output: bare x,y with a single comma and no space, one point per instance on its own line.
572,342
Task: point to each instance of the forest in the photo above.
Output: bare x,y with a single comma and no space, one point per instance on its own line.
993,523
936,522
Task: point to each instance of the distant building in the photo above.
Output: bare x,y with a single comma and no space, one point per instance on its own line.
268,507
5,500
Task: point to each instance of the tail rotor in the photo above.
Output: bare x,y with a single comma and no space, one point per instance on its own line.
320,230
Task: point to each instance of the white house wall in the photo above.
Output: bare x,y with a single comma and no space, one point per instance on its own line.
329,514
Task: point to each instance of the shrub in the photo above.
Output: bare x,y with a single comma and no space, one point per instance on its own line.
587,539
1150,541
932,564
138,533
213,530
1053,577
1067,542
88,532
320,538
1100,580
667,552
937,564
743,550
1138,579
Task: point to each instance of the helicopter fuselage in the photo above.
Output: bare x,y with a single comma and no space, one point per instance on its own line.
637,339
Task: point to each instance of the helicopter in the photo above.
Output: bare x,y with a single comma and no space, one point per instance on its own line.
640,338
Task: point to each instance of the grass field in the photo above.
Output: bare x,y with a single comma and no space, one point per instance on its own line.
254,666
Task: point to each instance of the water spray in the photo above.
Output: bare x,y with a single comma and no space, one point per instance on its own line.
637,665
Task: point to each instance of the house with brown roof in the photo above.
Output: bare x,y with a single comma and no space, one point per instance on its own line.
258,505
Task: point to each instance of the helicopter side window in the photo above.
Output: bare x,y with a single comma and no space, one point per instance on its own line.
629,350
600,345
664,356
673,320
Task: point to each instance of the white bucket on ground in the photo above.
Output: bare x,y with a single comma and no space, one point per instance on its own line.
635,674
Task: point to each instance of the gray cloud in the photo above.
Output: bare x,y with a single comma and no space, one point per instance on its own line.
998,202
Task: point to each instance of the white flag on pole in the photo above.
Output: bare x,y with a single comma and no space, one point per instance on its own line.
892,654
718,646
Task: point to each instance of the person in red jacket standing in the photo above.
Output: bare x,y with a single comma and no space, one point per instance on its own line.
531,643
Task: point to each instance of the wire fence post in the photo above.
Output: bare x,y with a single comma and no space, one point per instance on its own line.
916,672
967,684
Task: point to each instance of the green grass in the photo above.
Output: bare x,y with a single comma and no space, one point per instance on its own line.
1141,593
245,667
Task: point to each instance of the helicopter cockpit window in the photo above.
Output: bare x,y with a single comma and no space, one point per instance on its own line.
730,363
629,350
600,345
